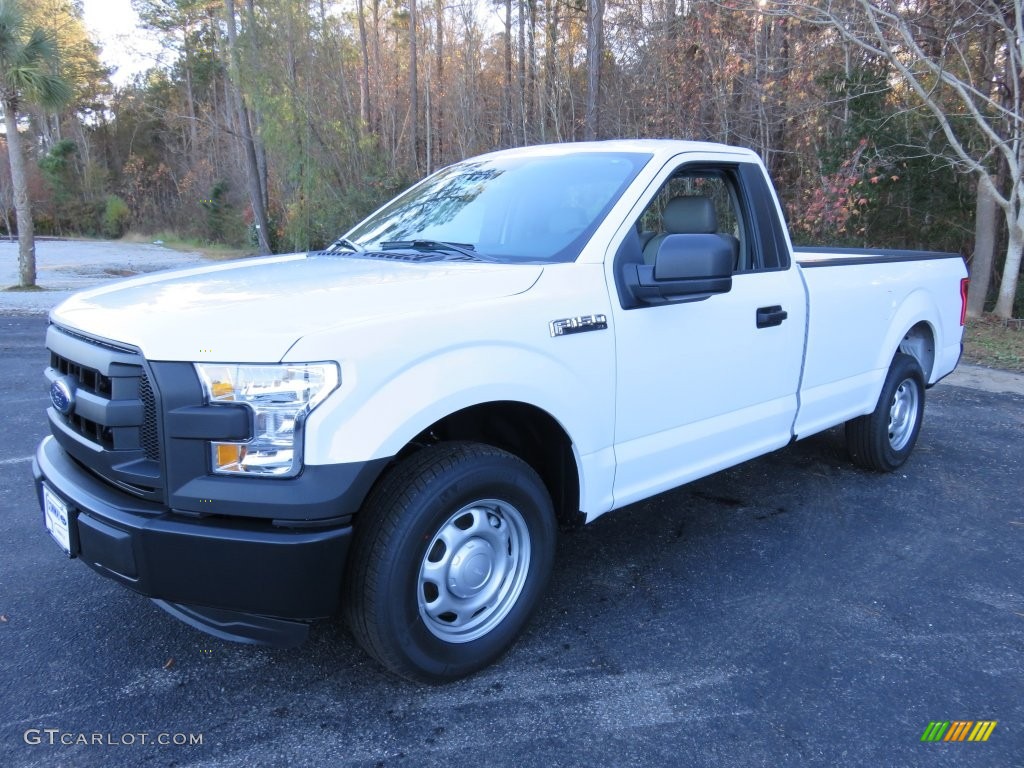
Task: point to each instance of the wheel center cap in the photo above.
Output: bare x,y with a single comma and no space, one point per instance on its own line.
470,569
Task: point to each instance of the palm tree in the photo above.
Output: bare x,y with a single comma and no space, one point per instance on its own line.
27,64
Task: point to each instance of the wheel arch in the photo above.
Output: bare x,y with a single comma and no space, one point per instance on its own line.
913,331
919,343
522,429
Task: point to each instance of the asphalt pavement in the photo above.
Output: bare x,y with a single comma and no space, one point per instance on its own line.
793,611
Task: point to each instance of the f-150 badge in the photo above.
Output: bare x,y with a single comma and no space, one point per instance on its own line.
578,324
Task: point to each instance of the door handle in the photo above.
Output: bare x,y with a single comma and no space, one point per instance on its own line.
769,316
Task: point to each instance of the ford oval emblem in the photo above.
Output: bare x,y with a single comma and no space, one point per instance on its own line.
62,395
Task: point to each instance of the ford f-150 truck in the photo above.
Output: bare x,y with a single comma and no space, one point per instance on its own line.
393,427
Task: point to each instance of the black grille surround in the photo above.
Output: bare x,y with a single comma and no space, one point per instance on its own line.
149,434
150,437
113,428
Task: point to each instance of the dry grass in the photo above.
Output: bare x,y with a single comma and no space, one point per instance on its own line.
215,251
990,342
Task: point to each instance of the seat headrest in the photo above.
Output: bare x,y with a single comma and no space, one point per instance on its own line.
690,216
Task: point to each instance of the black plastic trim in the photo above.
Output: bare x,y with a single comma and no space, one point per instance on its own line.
249,566
111,429
318,493
772,251
205,422
103,356
867,256
239,627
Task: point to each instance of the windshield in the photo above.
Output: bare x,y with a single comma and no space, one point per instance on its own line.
509,208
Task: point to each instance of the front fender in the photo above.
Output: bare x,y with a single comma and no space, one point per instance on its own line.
384,412
403,373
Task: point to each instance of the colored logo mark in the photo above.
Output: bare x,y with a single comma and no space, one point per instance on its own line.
958,730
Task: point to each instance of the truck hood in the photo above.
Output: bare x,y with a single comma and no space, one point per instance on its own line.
254,310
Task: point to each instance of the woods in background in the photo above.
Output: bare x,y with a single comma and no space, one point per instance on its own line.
282,122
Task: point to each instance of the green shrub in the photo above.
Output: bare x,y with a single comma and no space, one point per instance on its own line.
116,216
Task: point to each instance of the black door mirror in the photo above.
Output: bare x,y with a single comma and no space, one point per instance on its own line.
695,257
686,268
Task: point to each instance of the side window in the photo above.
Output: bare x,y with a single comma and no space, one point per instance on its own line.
702,200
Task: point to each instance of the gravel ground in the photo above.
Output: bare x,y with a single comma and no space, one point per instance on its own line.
66,266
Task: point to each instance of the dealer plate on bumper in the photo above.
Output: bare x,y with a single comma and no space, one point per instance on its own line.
55,512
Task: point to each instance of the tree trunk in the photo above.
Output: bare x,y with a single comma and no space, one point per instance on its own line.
364,71
377,96
984,251
190,102
1011,268
506,97
414,138
549,94
521,122
257,119
256,199
595,44
22,209
531,70
439,75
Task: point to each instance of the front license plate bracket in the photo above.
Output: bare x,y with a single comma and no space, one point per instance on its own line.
59,518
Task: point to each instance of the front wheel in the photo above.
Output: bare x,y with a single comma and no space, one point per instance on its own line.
883,439
452,554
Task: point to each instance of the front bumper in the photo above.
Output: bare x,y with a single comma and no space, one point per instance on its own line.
240,579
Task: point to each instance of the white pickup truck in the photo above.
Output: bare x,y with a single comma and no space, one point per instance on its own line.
394,426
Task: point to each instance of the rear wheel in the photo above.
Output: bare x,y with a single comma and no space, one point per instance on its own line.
452,554
884,439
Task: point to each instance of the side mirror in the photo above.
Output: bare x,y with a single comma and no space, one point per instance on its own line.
686,268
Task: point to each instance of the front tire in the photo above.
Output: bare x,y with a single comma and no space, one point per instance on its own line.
884,439
451,557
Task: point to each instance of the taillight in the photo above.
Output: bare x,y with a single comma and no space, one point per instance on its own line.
963,299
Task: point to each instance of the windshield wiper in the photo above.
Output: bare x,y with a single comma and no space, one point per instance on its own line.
344,242
466,249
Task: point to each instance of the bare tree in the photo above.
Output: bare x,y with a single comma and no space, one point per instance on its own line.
256,187
364,68
984,251
595,50
977,105
413,89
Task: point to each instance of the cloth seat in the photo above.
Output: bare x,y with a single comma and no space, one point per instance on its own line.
690,215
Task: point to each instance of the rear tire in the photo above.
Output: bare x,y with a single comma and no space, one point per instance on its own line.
884,439
451,556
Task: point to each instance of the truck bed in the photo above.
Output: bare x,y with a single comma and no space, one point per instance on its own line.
875,295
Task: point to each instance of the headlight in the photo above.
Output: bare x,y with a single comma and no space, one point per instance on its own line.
280,397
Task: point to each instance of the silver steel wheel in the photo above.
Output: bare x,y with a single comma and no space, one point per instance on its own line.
473,571
903,414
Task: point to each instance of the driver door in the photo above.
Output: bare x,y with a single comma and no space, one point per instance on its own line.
705,384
